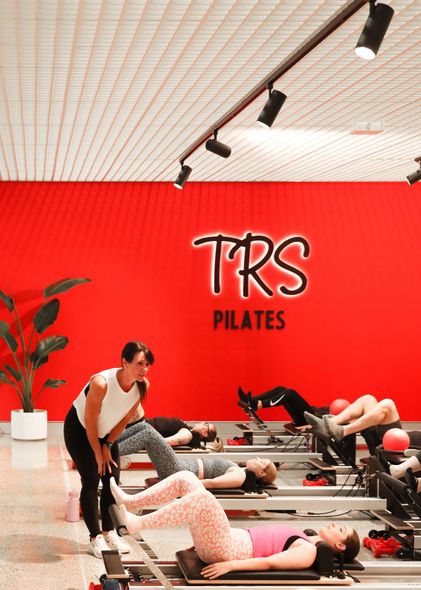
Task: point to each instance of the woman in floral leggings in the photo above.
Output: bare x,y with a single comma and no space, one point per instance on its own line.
222,547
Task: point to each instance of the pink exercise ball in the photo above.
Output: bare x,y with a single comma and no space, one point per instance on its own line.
338,405
395,439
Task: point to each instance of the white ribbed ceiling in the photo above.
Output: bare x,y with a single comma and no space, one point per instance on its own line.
116,90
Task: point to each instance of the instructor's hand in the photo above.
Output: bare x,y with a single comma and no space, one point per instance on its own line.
107,461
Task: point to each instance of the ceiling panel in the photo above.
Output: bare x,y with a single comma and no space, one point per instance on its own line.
116,90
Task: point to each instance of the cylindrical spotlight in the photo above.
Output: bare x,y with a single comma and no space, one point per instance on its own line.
272,107
183,176
414,177
218,148
374,30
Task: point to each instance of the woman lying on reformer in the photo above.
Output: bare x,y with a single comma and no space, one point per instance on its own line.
215,472
175,431
224,548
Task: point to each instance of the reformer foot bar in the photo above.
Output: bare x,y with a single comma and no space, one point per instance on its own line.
185,572
258,432
287,439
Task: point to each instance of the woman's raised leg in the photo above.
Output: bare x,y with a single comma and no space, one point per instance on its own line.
384,412
174,486
212,535
145,437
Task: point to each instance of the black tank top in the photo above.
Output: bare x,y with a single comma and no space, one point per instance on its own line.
167,426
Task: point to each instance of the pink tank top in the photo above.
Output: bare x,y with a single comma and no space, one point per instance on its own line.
268,540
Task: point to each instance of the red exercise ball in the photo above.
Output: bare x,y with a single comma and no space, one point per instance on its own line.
395,439
338,405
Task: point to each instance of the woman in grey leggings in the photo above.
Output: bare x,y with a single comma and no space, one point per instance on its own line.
215,472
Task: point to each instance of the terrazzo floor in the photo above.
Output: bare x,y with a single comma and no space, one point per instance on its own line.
39,549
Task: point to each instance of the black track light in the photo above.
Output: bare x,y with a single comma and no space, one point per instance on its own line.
218,148
374,30
415,176
272,107
183,175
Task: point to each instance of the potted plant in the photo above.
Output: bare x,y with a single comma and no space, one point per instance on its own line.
28,354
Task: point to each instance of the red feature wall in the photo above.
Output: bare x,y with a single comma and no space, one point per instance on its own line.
346,322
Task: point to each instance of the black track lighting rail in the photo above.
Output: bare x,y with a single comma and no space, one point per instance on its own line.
338,19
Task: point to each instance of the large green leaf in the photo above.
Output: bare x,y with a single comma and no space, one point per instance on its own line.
62,286
42,361
46,347
53,383
14,372
46,316
8,301
7,336
4,378
4,328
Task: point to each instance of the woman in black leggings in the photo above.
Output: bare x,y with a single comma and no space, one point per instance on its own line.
291,400
97,417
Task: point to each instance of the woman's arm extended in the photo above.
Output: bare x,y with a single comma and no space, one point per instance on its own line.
118,428
300,556
233,478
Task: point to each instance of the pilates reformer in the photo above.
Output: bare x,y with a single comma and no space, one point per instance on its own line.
290,499
403,515
293,447
349,495
338,461
275,454
185,571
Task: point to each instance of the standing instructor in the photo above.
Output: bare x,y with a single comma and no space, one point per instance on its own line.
97,417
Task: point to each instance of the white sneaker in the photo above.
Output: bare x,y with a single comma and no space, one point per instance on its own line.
116,542
97,545
125,462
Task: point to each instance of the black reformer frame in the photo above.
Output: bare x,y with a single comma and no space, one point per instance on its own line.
299,437
403,516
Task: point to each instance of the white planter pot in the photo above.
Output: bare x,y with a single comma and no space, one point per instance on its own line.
28,425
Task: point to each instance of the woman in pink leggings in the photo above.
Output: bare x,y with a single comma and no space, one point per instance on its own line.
224,548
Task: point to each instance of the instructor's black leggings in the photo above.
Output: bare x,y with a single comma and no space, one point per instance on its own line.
84,458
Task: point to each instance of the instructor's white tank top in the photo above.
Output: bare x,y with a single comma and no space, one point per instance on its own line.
115,405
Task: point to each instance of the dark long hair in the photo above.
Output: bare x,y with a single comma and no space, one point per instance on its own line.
352,546
128,352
